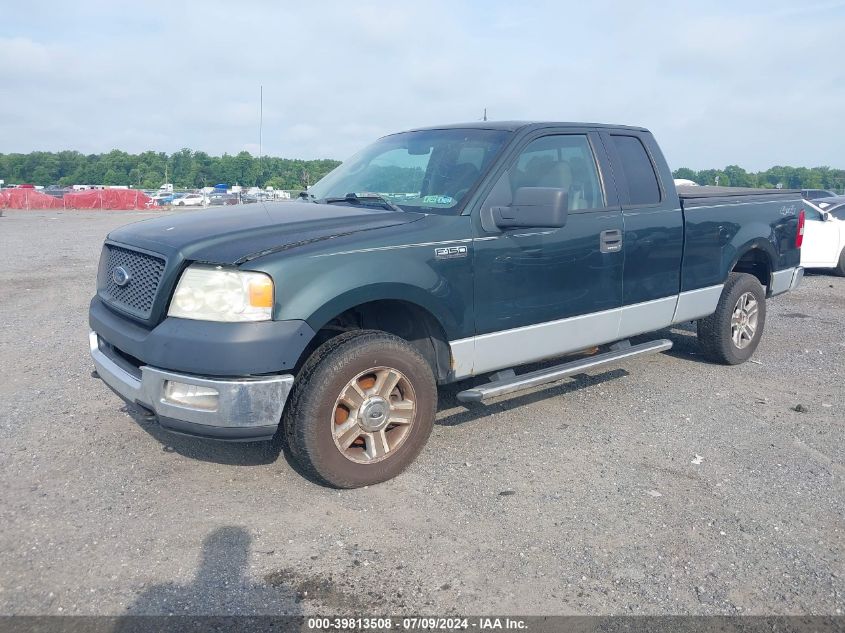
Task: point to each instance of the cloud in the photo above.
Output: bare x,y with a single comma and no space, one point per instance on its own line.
22,57
753,83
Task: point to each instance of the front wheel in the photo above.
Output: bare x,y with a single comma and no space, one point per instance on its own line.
361,409
731,334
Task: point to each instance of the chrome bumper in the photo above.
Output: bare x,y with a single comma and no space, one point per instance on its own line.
797,276
785,280
246,408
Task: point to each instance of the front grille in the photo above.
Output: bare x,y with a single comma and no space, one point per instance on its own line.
144,272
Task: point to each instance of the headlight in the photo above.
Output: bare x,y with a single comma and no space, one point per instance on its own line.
212,293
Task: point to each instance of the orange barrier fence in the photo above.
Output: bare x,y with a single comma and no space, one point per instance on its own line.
104,199
28,199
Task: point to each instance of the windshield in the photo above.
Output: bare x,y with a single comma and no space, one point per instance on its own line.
429,170
838,212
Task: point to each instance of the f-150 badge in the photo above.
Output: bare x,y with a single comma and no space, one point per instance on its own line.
450,252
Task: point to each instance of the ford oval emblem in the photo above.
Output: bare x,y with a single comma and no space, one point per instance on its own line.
120,276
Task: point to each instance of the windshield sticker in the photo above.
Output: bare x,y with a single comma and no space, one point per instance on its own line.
438,199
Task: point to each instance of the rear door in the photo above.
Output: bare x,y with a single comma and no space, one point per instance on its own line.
653,231
539,291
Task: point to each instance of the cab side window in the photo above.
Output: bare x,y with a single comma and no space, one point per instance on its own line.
643,188
563,161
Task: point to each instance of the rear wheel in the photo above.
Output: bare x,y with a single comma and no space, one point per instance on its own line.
731,334
361,410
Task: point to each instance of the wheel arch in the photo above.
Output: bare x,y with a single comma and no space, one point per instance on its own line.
405,311
756,258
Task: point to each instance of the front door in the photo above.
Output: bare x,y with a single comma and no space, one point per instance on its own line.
538,291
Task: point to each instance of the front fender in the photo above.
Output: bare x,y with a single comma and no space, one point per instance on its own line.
317,289
318,282
448,316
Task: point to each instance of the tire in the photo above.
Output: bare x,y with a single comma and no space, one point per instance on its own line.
716,333
319,419
840,268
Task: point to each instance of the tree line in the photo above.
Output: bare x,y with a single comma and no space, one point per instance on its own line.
787,177
186,169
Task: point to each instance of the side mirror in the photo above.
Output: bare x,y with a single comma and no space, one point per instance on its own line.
825,216
534,207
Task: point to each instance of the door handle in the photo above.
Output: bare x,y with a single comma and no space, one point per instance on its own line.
611,241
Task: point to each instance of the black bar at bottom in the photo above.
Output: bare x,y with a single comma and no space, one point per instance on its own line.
373,623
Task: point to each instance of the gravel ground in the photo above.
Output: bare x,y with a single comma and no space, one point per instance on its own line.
584,498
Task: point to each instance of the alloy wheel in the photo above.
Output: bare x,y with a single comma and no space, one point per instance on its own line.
373,415
744,320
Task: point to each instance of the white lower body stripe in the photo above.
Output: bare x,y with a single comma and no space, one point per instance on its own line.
518,346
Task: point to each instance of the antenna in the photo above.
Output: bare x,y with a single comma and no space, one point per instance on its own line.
485,114
260,121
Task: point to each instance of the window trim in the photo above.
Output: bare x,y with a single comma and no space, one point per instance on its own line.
622,177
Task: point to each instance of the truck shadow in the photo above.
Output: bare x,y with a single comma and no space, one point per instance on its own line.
469,412
684,337
220,587
226,453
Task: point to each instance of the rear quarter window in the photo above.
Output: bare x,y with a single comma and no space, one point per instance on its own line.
637,168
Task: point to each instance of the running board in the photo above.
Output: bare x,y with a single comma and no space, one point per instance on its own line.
510,384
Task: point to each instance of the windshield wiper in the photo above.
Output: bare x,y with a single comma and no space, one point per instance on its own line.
354,198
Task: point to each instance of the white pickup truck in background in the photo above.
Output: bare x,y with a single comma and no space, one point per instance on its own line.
824,234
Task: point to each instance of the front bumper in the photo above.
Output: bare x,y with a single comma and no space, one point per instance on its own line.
245,408
205,348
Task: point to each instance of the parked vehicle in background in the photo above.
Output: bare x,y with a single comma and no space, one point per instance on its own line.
247,198
826,203
837,211
813,194
57,191
824,234
433,256
222,199
162,199
189,200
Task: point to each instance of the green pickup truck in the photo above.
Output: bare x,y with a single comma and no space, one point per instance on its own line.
432,256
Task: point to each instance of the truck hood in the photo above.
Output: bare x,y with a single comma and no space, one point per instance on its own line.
238,233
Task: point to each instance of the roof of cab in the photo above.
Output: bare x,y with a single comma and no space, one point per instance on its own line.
512,126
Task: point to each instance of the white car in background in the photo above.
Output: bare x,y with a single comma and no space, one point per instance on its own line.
190,200
824,234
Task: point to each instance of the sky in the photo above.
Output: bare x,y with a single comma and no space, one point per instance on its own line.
742,82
